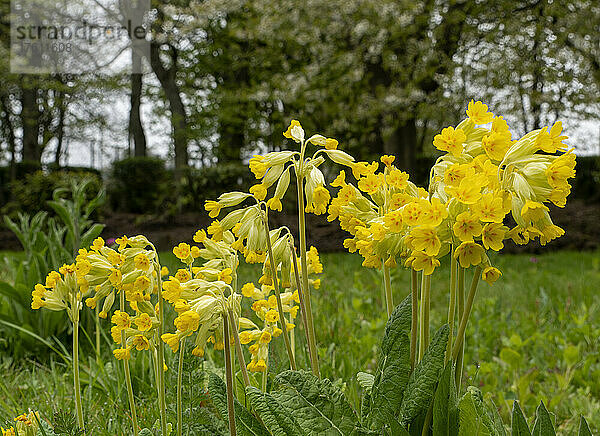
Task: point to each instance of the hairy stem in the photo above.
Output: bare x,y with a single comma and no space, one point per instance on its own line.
314,361
179,384
389,302
414,288
460,334
424,322
162,407
238,349
127,372
229,376
451,307
309,343
76,385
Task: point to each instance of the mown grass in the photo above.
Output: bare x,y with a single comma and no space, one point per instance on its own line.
534,336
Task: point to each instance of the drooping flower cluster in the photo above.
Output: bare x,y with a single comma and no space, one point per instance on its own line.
133,270
484,176
26,424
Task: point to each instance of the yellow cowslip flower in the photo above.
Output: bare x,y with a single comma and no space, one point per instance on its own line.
340,180
294,131
140,342
556,137
187,321
172,340
377,231
420,261
561,169
212,207
425,239
183,275
123,241
259,191
400,199
257,166
398,179
467,226
370,183
312,256
142,262
387,160
182,251
492,236
225,275
97,244
52,278
450,140
272,316
260,366
412,213
8,431
115,332
490,209
549,233
533,211
331,144
143,322
456,172
121,319
275,204
469,189
82,268
67,269
491,274
198,351
141,284
393,221
496,145
478,112
200,236
122,354
434,212
115,277
216,230
469,253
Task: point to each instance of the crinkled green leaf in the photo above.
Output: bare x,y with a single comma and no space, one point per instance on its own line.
543,423
472,416
366,380
584,428
277,420
445,405
519,423
496,419
318,406
246,423
421,384
393,369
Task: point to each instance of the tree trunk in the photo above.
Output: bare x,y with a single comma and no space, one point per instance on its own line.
402,143
60,131
167,79
30,114
136,129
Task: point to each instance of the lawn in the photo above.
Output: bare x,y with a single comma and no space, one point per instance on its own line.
536,330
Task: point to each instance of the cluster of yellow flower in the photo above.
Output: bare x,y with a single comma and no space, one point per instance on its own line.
26,424
483,176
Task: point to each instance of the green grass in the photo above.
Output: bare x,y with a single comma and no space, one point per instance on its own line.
533,335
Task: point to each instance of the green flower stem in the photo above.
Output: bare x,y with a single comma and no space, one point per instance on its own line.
286,334
461,308
460,334
451,306
389,302
162,407
97,324
424,322
238,349
229,376
414,286
314,361
179,384
302,300
134,422
76,385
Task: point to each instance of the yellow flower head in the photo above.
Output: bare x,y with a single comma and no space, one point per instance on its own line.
331,144
492,236
450,140
143,322
467,226
388,160
189,320
122,353
182,251
140,342
295,131
478,112
97,244
172,340
469,253
212,207
121,319
491,274
272,316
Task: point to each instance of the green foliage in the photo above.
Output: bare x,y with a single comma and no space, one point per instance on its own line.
423,380
48,243
445,404
31,193
138,184
394,367
65,424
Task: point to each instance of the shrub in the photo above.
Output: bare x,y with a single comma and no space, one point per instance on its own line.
138,184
